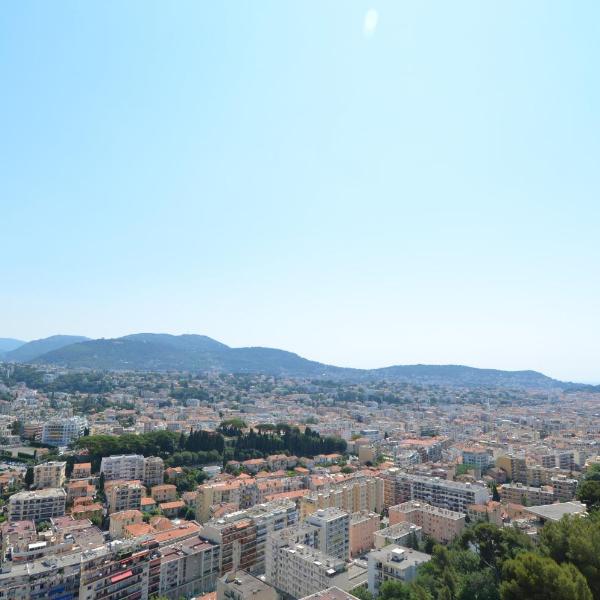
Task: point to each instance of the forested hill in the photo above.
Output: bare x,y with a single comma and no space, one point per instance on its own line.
198,353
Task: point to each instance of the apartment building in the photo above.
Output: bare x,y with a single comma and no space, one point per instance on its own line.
79,489
363,526
517,493
188,568
400,534
120,520
221,492
395,563
514,466
154,471
116,571
62,432
243,534
302,534
119,570
237,539
240,585
478,458
353,495
124,495
402,487
304,571
333,527
81,471
564,488
39,505
164,493
123,466
49,475
441,524
487,513
270,518
565,460
54,577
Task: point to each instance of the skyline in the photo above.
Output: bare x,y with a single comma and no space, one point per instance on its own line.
375,367
361,183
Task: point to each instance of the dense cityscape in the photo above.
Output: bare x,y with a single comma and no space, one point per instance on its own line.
259,487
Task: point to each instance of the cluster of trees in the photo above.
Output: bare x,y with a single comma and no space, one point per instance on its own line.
86,383
187,392
588,490
492,563
286,439
202,440
187,458
154,443
208,447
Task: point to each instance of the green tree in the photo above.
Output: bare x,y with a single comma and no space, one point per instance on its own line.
588,492
575,540
28,477
394,590
362,592
534,577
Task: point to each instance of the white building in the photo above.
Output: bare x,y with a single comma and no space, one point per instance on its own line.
64,431
333,525
123,466
39,505
395,563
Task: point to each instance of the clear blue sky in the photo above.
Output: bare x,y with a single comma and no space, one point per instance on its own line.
364,183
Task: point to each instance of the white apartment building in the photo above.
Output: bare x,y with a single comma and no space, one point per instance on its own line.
453,495
333,526
62,432
123,466
49,475
395,563
479,458
303,534
39,505
304,571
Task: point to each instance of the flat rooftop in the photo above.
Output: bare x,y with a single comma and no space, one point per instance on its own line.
555,512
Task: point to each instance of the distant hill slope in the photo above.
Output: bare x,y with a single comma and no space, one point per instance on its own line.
197,353
8,344
32,350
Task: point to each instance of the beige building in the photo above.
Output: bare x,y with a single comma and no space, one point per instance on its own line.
515,467
363,526
124,495
353,495
441,524
489,513
154,471
120,520
164,493
518,493
49,475
81,471
211,494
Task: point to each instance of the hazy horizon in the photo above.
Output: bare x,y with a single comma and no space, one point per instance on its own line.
361,183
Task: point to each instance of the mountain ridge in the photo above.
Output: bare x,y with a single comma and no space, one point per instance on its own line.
31,350
199,353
